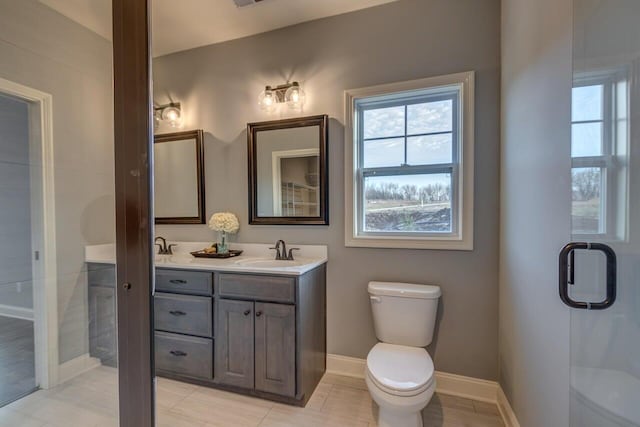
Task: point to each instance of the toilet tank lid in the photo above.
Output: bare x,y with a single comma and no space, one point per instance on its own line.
405,290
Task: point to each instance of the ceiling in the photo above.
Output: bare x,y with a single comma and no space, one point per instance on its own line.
197,23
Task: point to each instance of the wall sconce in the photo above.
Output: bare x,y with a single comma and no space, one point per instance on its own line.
170,113
290,94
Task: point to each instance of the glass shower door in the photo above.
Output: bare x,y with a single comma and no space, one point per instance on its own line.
58,337
602,272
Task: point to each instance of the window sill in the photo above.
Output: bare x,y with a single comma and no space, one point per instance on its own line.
451,244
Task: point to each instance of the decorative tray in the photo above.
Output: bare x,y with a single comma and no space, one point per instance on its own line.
202,254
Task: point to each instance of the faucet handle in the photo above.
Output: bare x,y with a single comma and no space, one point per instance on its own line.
169,251
290,256
159,248
277,249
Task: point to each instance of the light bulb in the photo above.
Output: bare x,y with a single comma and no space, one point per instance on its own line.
294,96
172,115
267,99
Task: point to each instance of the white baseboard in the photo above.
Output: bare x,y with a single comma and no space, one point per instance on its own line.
77,366
468,387
506,411
16,312
452,384
345,365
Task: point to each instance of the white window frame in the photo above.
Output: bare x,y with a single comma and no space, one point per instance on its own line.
461,237
613,160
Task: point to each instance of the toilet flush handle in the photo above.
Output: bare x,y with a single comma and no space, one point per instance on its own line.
375,299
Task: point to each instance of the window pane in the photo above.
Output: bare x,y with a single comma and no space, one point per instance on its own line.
429,149
430,117
586,103
407,203
586,139
586,203
384,122
383,152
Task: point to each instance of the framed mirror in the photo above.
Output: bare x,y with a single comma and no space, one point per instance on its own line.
288,171
179,178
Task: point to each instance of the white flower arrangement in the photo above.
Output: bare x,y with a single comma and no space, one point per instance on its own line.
226,222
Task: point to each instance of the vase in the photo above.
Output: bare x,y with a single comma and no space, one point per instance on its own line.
223,248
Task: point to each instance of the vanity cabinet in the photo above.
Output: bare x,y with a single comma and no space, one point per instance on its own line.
183,322
101,279
258,334
275,352
256,346
234,352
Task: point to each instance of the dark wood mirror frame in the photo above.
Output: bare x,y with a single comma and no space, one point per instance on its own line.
198,135
322,121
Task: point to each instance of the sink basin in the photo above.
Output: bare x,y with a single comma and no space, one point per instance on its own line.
270,263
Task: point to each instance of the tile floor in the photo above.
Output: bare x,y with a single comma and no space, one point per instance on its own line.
90,401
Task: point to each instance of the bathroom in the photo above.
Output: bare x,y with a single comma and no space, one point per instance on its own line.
505,350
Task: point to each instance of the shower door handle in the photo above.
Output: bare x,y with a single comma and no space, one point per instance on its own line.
566,262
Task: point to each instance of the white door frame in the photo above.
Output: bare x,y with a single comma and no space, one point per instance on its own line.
276,172
45,295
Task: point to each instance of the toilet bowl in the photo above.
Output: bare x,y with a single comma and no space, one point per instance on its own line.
400,380
400,372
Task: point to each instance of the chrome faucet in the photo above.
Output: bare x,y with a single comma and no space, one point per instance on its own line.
283,256
163,249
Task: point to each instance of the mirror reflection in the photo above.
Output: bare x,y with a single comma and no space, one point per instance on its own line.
288,169
179,178
287,163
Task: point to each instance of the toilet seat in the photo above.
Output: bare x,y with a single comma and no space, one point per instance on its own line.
400,370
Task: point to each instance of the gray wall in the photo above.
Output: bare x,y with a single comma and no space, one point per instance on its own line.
15,205
42,49
218,87
535,208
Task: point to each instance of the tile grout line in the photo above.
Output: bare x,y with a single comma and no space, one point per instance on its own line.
324,402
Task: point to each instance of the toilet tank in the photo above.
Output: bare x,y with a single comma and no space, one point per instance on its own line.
404,313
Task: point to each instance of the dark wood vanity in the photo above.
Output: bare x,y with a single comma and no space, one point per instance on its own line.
251,333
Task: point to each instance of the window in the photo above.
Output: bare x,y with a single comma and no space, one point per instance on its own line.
409,159
598,155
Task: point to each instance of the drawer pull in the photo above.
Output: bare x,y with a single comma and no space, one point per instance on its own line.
178,353
177,313
247,312
178,281
258,313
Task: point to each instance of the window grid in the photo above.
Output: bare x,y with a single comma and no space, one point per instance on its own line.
406,169
605,160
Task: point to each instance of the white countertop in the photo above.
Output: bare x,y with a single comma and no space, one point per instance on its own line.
307,258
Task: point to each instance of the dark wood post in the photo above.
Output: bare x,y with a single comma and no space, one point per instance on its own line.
134,210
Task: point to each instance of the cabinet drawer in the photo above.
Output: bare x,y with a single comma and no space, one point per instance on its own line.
101,275
188,282
263,288
184,355
184,314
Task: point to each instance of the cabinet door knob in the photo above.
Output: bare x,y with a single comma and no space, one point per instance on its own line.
258,313
247,312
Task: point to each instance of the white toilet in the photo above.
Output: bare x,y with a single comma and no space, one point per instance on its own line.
399,370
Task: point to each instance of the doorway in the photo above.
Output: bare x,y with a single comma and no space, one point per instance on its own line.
28,355
17,346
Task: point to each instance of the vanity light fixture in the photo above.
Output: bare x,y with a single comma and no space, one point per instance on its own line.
170,113
289,93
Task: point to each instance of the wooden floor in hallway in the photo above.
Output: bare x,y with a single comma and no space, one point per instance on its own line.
90,400
17,359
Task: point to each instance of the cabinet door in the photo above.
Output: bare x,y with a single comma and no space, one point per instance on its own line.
102,324
234,343
275,351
